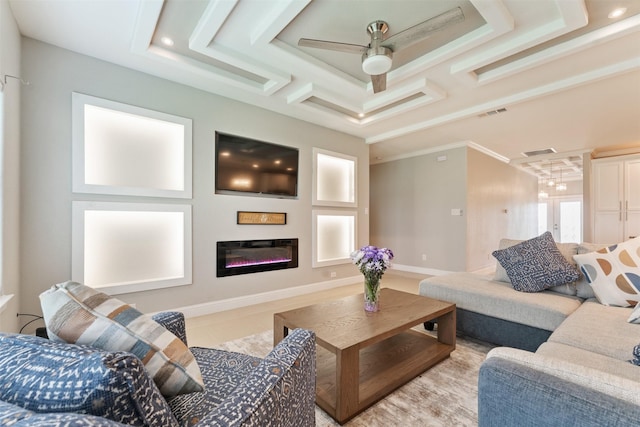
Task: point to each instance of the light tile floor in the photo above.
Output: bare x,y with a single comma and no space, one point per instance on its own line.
207,331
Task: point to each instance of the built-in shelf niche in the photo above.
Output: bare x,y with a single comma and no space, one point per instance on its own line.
126,150
334,179
129,247
334,237
334,186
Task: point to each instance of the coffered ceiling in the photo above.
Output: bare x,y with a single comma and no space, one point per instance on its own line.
514,76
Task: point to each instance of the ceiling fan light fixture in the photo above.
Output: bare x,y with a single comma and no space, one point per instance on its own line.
377,61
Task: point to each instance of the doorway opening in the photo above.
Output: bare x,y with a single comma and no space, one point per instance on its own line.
562,216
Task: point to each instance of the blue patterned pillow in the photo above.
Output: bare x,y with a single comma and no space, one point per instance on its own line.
46,376
636,355
536,264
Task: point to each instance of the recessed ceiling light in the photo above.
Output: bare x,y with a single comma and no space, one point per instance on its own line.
617,12
360,114
167,41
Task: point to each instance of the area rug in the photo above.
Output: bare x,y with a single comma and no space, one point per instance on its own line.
445,395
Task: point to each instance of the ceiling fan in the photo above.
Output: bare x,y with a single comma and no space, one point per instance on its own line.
377,56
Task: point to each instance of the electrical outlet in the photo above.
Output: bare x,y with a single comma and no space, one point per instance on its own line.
333,274
424,257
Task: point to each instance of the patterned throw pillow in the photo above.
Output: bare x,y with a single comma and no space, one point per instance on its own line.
636,355
44,376
78,314
536,264
568,250
614,273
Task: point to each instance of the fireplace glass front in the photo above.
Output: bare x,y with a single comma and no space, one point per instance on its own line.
253,256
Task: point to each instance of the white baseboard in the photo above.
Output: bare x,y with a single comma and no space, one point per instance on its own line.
247,300
420,270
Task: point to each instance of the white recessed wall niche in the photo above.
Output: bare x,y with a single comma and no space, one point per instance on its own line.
334,236
334,179
127,150
130,247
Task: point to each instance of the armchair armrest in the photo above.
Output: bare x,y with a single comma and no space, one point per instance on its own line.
174,322
280,391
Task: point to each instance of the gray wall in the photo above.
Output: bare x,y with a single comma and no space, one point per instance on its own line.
502,202
9,166
46,178
411,202
412,199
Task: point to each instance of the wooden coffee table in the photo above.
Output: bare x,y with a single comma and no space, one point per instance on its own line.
362,357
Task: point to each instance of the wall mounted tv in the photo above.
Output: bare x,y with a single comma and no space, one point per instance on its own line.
251,167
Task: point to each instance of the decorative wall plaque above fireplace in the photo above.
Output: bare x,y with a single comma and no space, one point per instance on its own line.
253,256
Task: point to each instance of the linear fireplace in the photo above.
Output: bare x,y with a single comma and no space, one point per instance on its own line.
253,256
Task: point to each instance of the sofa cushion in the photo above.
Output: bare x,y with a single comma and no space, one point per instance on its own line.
600,329
614,273
222,372
75,313
536,264
472,292
46,376
621,368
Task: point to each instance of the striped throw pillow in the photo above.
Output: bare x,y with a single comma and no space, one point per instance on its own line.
75,313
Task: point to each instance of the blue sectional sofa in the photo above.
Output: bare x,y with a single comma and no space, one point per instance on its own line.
47,383
564,358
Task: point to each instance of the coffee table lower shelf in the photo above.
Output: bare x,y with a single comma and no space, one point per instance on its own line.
383,367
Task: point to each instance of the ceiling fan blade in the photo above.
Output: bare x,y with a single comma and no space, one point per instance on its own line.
379,82
423,30
340,47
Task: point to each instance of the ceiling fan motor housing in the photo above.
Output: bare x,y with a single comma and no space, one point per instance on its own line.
377,29
377,59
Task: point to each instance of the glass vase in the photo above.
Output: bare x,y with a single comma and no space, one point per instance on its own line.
371,294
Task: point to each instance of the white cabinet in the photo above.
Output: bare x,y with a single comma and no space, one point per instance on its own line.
616,199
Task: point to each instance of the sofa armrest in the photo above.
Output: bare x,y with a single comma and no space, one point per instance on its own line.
279,391
517,387
174,322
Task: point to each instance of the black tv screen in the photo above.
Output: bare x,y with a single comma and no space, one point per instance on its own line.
246,165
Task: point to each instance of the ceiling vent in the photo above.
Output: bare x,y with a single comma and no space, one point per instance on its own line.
493,112
539,152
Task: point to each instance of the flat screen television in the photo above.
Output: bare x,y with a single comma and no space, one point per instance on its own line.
252,167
